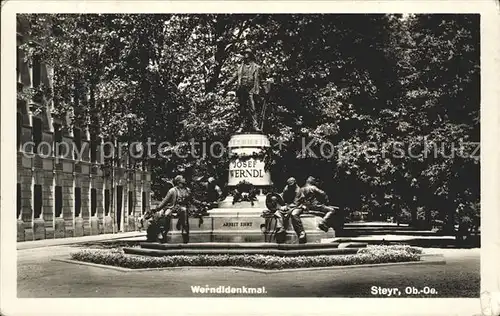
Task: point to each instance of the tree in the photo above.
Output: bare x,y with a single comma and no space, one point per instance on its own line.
363,90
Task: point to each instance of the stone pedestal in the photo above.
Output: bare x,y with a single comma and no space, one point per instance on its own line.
20,230
59,228
78,227
246,163
38,229
243,225
198,231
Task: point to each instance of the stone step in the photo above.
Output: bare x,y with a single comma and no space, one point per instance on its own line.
226,245
377,223
352,245
367,227
244,236
241,251
352,232
434,242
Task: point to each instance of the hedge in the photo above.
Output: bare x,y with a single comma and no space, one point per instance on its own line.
369,255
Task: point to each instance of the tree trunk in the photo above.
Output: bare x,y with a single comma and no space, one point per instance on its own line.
414,212
428,217
220,56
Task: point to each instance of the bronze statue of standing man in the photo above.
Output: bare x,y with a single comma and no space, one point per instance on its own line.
249,80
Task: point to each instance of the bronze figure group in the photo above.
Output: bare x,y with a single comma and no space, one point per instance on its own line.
287,206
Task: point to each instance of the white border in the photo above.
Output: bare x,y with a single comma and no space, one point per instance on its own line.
490,281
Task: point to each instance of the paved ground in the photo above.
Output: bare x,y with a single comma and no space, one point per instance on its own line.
75,240
39,276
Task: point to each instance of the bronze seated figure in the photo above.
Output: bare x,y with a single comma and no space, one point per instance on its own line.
294,202
178,203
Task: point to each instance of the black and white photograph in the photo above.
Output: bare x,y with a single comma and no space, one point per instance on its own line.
248,155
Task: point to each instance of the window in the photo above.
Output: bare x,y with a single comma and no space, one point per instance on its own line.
130,202
37,203
106,202
37,133
144,201
93,202
119,205
19,207
58,200
77,139
78,201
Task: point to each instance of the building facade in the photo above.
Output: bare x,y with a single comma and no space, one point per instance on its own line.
60,193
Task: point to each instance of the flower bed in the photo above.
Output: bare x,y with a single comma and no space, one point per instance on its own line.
369,255
382,250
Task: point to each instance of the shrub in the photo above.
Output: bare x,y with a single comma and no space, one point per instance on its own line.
356,216
404,217
370,255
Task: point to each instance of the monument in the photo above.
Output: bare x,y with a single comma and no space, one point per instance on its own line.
243,216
